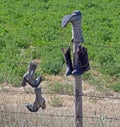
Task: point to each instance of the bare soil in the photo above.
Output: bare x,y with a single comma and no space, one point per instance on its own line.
95,103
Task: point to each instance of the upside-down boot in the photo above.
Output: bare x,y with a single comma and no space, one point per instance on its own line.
68,61
82,62
29,76
33,107
39,102
34,82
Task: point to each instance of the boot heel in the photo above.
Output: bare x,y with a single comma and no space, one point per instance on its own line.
23,83
43,105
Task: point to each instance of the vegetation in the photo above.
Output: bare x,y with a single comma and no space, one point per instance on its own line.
56,102
32,30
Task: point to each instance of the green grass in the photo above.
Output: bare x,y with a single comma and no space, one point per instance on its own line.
60,88
56,102
32,30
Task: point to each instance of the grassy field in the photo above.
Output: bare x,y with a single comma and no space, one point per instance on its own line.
32,30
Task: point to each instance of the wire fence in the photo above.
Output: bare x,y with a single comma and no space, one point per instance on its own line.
58,115
98,110
90,44
26,63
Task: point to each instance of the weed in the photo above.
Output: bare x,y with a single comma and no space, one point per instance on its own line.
115,86
56,102
59,88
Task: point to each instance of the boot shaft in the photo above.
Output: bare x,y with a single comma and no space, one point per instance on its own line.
31,68
76,28
83,56
82,64
67,56
68,61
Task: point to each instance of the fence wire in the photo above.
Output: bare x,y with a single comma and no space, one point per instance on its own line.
26,63
98,110
58,115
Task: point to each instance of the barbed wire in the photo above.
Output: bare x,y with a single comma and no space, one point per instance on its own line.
103,46
62,115
2,61
53,93
106,67
26,63
91,44
58,115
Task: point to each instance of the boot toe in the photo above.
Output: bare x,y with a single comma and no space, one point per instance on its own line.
68,71
31,108
77,73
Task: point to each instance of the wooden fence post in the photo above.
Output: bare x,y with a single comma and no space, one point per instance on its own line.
77,39
77,92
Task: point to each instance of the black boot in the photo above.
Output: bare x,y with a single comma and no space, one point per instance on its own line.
33,107
82,62
39,102
29,76
33,82
68,61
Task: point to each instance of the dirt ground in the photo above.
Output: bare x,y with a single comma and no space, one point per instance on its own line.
96,104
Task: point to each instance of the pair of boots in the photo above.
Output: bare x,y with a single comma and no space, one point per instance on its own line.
82,64
29,76
39,102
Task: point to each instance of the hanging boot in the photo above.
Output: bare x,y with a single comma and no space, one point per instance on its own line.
39,102
36,105
28,76
82,62
33,107
34,82
68,61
